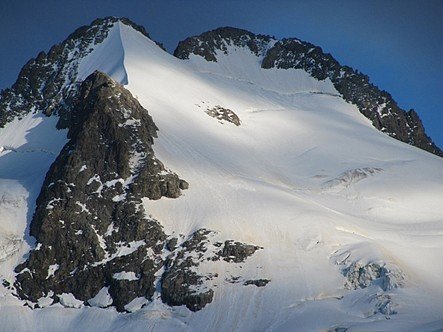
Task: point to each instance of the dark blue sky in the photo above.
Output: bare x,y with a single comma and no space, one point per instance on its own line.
398,43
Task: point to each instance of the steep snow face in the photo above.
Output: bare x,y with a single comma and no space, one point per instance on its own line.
100,60
350,220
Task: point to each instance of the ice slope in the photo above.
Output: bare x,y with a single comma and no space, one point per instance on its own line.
305,176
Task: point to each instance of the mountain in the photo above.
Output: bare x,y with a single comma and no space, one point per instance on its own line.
353,86
245,183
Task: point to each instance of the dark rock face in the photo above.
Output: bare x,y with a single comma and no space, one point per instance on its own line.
355,87
180,284
207,44
89,222
237,252
258,282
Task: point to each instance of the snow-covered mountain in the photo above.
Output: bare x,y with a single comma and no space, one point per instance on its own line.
243,184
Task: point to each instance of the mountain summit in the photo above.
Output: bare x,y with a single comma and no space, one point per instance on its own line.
245,183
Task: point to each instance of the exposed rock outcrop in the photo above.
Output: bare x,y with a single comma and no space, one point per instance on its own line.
89,222
207,44
96,245
258,282
223,114
237,252
182,284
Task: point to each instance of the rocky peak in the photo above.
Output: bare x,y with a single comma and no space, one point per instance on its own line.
311,58
207,44
89,223
48,83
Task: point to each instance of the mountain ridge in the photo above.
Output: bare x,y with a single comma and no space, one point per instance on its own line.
375,104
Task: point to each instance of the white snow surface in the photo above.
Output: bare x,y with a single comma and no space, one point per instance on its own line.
69,301
125,276
102,299
288,179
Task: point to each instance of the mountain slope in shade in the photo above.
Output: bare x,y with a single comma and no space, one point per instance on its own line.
347,221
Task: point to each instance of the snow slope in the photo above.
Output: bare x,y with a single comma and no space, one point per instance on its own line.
27,149
305,176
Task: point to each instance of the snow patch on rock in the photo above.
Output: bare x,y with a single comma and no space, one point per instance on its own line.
102,300
69,301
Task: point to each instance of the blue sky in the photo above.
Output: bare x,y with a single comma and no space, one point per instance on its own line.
398,43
